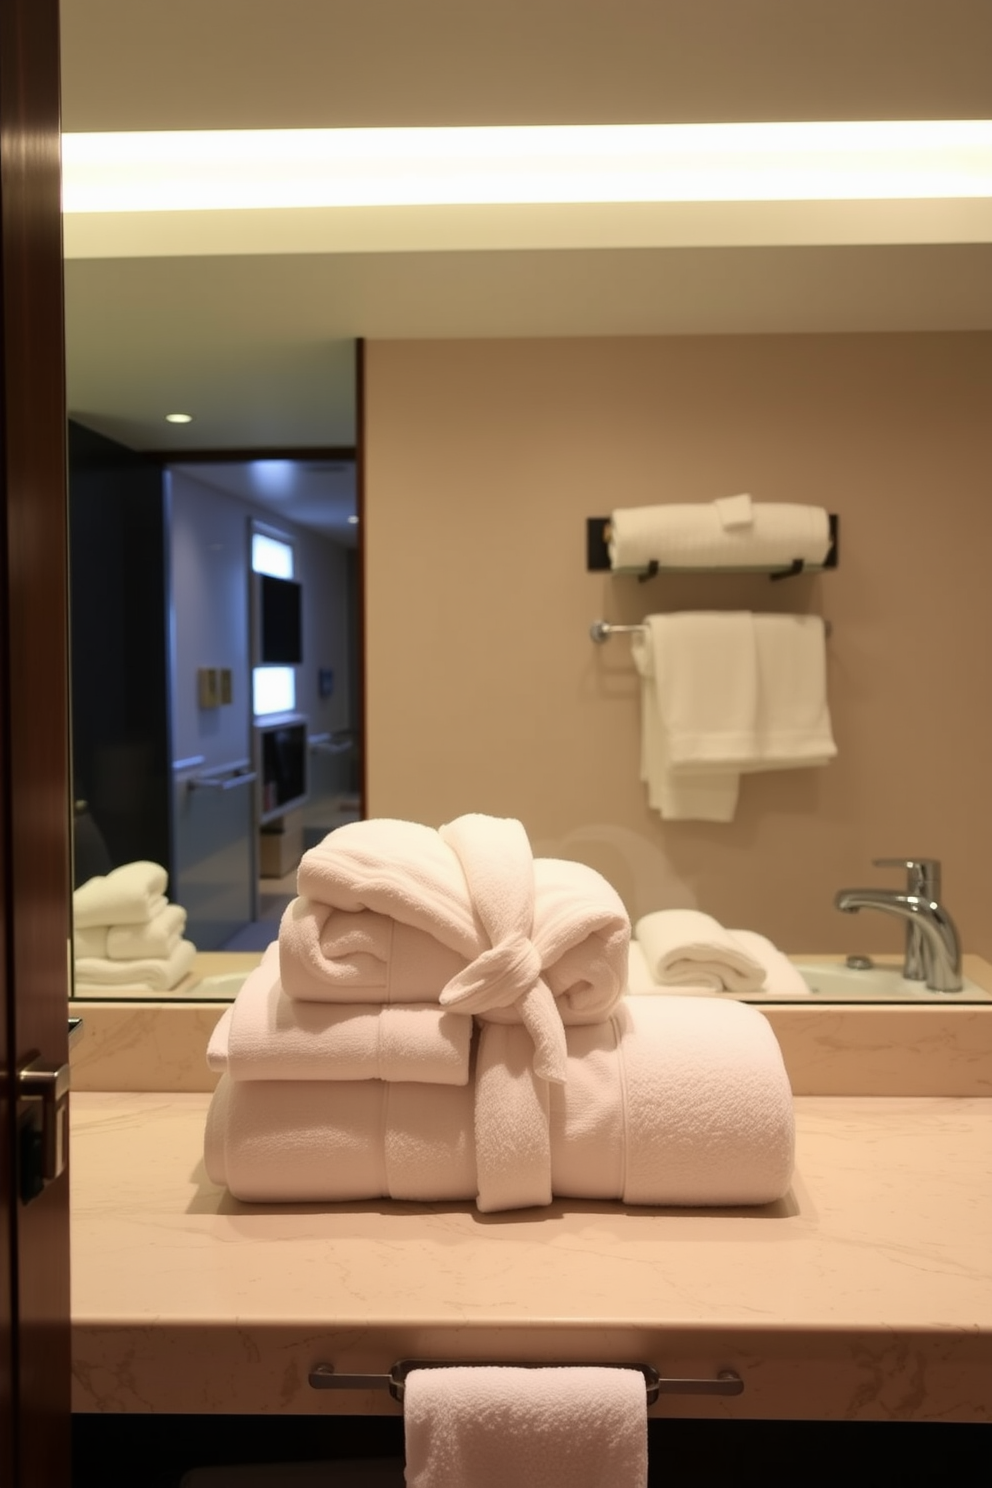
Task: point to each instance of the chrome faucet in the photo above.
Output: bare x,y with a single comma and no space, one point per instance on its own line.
933,950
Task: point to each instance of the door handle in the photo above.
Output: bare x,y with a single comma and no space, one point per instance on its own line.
43,1128
221,782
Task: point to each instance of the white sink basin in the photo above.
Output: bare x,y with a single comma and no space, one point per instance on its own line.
835,981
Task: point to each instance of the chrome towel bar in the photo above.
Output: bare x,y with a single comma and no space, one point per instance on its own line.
325,1377
601,630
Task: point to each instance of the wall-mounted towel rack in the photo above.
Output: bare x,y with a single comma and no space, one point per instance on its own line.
325,1377
598,557
601,630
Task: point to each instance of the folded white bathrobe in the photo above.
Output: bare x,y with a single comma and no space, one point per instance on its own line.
543,942
129,895
672,1100
265,1035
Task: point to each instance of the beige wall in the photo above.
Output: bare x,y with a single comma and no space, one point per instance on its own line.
485,692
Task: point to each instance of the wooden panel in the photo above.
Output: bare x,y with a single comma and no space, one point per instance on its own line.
34,821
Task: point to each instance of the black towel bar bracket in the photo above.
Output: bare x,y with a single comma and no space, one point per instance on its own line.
326,1377
598,557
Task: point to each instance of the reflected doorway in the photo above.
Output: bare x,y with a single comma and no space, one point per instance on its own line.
178,757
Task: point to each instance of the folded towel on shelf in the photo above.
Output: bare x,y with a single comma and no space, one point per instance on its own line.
671,1100
719,534
153,973
486,1426
512,1123
129,895
685,947
542,942
337,1141
158,937
264,1035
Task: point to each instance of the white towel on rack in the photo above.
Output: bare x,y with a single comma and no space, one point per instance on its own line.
683,535
487,1426
726,693
708,796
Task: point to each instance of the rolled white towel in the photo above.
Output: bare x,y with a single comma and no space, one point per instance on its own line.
151,973
716,534
684,947
159,936
781,977
129,895
265,1035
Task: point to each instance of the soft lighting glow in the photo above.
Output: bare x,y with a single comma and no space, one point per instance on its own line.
178,418
353,521
273,690
198,171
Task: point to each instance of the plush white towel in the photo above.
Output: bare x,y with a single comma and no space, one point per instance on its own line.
469,887
490,1426
340,1141
158,937
671,1101
676,1101
683,535
335,955
793,719
129,895
265,1035
685,947
157,974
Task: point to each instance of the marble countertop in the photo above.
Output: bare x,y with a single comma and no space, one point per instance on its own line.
865,1295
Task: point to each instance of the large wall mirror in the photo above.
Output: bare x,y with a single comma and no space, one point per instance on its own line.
251,321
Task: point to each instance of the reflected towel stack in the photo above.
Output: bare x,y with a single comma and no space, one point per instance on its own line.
127,934
464,1036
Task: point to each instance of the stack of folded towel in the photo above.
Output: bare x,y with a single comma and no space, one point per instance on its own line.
443,1018
127,934
688,952
727,693
733,532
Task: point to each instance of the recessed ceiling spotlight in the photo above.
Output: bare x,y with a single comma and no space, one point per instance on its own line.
178,418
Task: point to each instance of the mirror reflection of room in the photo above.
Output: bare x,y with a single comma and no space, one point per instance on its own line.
215,706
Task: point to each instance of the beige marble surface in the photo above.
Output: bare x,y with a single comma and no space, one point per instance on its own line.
839,1049
865,1295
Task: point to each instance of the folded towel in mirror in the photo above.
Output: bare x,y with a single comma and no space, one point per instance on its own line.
158,936
130,895
686,947
151,973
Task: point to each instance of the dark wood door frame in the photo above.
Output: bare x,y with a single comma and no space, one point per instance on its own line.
34,769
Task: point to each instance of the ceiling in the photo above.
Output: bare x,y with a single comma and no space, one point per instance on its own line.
247,320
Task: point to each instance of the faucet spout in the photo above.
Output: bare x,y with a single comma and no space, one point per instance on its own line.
941,946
